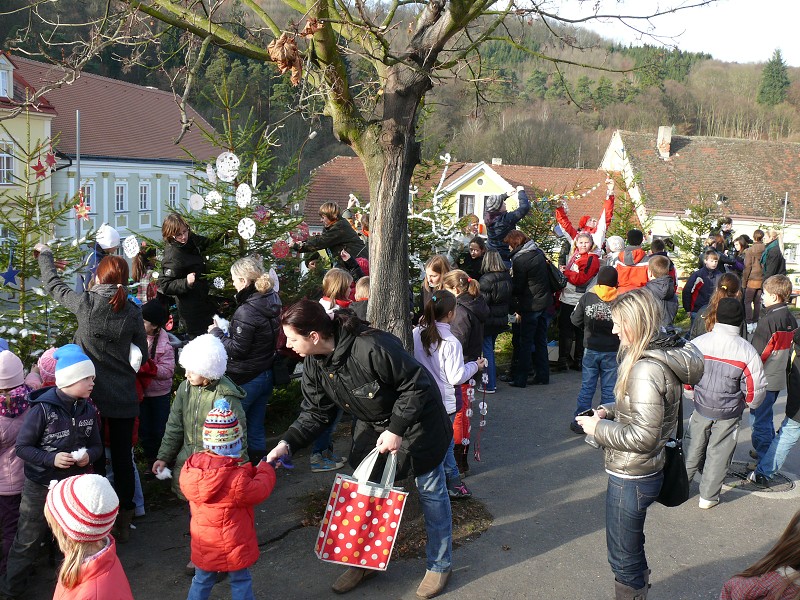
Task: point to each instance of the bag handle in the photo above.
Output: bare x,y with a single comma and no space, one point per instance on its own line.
364,469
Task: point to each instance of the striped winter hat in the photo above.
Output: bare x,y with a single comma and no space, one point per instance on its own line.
85,506
222,433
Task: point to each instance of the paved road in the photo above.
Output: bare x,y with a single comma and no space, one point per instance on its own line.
546,490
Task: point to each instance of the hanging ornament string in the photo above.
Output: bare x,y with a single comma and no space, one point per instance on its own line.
483,408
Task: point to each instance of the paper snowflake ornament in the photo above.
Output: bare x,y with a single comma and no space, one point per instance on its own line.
213,202
218,282
212,176
247,228
196,202
243,195
254,175
130,246
227,167
81,210
280,249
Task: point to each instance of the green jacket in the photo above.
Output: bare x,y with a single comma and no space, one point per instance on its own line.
184,432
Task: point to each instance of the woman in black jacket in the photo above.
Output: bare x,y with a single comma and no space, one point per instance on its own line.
398,409
772,259
531,296
183,274
496,289
250,344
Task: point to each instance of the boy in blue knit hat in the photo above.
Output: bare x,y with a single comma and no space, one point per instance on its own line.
59,438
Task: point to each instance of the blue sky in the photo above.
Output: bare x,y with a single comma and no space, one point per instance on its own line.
731,30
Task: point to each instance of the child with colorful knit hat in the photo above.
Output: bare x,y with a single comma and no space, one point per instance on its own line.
59,437
81,511
13,405
222,491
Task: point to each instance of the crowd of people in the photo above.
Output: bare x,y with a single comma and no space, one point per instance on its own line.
614,303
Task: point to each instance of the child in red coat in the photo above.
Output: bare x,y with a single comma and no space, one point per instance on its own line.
222,495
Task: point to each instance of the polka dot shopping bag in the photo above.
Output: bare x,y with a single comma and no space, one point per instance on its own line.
362,518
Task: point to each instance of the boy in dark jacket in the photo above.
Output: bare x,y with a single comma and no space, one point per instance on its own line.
500,223
772,339
789,432
702,283
662,286
593,313
59,438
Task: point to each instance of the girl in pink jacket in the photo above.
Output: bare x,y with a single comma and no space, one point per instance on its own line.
81,511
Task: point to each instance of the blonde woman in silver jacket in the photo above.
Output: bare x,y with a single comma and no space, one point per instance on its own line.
634,429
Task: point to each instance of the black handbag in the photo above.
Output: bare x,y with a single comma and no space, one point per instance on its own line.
675,488
557,279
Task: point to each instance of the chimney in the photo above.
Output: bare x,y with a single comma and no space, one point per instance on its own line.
664,141
497,161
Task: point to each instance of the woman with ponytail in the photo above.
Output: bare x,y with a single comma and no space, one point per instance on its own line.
108,325
438,350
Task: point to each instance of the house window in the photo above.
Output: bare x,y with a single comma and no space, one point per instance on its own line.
173,195
6,163
6,88
466,205
121,197
144,196
88,195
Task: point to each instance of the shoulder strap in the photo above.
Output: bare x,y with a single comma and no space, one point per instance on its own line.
679,423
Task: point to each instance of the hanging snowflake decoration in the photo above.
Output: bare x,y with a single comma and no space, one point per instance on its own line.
212,176
301,233
130,246
213,202
227,167
254,176
196,202
247,228
243,195
218,282
280,249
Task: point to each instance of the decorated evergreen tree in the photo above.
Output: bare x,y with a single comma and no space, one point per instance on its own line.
697,221
626,215
29,319
238,207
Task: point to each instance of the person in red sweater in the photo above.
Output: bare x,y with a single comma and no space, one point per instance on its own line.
593,226
774,577
222,493
81,511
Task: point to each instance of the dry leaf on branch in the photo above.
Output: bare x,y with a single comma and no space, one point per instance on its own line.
313,25
285,54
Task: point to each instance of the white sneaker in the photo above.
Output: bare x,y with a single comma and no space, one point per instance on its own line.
708,503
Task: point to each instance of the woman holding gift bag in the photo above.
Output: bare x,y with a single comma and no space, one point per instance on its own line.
398,409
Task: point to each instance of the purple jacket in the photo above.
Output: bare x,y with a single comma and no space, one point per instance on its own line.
57,423
11,475
161,384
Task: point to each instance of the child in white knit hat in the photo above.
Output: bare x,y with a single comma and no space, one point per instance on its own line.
205,361
81,511
222,492
59,437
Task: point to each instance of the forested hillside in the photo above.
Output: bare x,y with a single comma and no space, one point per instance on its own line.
509,103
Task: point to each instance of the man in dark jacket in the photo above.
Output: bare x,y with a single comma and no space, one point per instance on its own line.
337,235
531,296
499,222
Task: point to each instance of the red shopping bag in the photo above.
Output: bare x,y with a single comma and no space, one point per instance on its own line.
362,519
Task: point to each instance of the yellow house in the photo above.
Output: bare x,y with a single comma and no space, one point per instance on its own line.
21,131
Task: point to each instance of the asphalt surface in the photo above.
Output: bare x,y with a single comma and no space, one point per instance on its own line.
545,488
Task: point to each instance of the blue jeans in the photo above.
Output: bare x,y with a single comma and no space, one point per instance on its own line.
597,365
488,354
450,465
153,415
258,391
435,502
532,340
31,530
325,440
761,420
626,508
774,458
203,581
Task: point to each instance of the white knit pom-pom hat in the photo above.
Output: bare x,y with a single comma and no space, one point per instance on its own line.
206,356
85,506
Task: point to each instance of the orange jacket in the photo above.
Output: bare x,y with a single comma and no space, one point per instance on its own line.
631,266
222,495
102,578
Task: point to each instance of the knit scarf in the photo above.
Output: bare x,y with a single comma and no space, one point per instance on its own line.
771,245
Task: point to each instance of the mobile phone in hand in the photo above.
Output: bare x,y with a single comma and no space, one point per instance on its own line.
586,413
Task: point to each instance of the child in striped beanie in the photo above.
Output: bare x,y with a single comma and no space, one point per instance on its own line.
222,493
81,511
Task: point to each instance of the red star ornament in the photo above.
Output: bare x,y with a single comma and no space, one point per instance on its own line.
50,159
40,169
81,210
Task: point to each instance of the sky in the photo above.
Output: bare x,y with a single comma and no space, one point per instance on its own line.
730,30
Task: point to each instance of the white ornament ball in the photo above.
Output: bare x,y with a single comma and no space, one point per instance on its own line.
227,166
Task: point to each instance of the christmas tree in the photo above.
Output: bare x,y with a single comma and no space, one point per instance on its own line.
29,214
238,203
697,221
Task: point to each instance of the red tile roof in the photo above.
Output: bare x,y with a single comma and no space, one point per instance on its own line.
753,175
22,91
118,119
342,175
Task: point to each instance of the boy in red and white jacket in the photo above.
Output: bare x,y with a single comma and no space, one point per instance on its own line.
772,340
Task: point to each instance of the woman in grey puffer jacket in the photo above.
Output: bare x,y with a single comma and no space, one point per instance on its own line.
635,428
108,324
